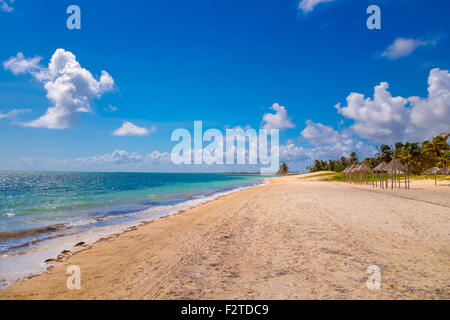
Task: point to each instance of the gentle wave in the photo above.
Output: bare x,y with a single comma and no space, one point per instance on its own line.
12,235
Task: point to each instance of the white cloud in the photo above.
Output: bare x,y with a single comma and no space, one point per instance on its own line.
291,152
403,47
431,115
117,160
5,6
300,157
278,120
13,113
20,65
388,119
122,157
381,119
327,143
130,129
307,6
335,151
124,161
318,134
70,88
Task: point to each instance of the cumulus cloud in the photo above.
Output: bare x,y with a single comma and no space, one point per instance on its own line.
327,143
307,6
318,134
130,129
301,157
278,120
389,119
70,88
379,119
291,152
405,46
5,6
431,115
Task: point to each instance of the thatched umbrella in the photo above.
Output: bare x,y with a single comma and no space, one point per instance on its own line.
433,170
444,172
363,170
348,170
355,171
396,167
381,168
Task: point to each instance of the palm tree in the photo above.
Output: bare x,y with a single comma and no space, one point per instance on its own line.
372,162
434,150
385,153
444,159
284,169
409,154
353,158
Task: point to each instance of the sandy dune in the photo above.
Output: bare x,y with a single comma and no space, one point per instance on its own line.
291,239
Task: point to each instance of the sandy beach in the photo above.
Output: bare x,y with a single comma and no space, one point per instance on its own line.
290,239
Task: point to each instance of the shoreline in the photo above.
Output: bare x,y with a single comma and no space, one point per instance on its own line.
283,240
53,249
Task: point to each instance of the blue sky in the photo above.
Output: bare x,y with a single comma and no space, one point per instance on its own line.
225,63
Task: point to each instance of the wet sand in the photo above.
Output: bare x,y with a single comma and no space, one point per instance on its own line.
291,239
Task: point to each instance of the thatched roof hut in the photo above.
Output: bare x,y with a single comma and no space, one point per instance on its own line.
395,166
364,168
431,171
445,171
356,168
381,167
349,169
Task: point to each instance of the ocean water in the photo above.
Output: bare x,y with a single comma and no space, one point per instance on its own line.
42,213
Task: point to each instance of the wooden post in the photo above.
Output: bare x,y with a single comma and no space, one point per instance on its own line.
405,178
408,179
392,181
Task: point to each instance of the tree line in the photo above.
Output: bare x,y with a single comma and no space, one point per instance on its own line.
415,155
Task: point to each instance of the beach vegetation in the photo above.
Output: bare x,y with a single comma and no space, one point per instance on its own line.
284,169
416,156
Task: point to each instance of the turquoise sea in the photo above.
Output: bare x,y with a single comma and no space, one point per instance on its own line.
44,212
